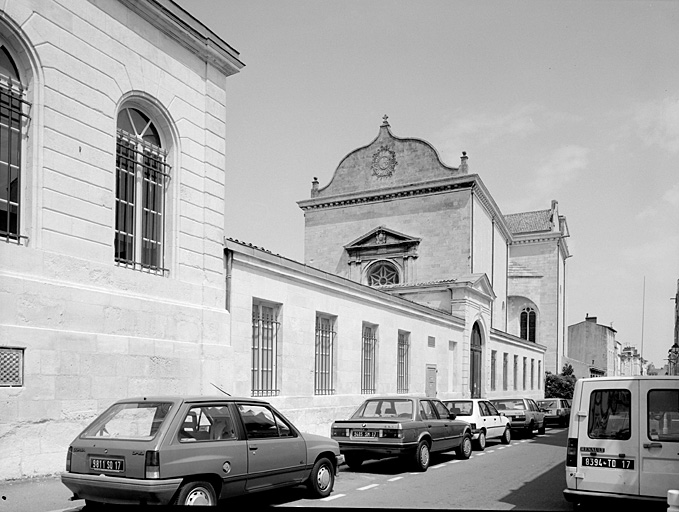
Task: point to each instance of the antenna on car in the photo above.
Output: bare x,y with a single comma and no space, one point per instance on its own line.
220,389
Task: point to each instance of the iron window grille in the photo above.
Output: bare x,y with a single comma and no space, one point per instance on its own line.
368,360
505,363
265,328
324,359
383,274
11,367
532,373
13,115
525,371
493,358
528,324
142,176
402,385
516,372
539,374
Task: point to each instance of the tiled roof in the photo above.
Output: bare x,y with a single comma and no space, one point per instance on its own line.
529,222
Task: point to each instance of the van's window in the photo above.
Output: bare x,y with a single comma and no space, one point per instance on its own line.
609,414
663,415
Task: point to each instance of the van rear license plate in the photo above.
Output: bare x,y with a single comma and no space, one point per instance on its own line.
364,433
113,465
603,462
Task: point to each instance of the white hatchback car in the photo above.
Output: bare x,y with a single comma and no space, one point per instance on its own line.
485,420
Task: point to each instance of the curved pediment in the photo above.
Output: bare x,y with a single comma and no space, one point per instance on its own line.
387,162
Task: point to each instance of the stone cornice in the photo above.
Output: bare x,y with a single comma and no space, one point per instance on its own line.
179,25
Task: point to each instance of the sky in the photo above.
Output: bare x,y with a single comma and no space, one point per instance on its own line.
574,101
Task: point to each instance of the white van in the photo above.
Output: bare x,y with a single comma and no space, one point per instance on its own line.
623,438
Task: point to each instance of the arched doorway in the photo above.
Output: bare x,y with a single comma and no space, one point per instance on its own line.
475,362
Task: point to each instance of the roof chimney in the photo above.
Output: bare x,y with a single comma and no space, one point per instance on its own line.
464,168
314,187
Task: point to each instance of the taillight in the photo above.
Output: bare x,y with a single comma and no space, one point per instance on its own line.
152,464
391,433
68,458
572,452
340,432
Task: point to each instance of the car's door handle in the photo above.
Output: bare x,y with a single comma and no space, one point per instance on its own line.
652,445
253,447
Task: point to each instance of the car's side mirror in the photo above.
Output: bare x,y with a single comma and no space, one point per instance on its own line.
452,416
501,413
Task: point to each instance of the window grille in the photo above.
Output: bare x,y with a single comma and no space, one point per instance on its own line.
431,341
528,324
13,115
324,362
368,360
11,367
383,273
525,371
493,362
142,175
402,385
264,350
516,372
539,374
505,363
532,373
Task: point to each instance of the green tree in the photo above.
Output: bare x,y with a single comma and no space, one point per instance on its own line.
560,386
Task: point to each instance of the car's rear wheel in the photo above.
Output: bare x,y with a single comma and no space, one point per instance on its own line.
464,451
322,478
507,436
422,456
353,461
542,428
529,429
481,441
196,493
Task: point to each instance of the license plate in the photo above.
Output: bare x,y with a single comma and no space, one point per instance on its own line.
364,433
112,465
602,462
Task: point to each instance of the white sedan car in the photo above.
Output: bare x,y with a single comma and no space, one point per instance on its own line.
485,420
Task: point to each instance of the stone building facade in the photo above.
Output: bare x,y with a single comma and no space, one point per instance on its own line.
595,346
116,279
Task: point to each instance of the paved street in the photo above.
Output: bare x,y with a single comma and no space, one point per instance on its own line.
528,474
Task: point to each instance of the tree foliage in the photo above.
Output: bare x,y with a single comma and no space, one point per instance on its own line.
562,385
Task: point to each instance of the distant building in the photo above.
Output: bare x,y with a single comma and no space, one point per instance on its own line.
631,362
594,346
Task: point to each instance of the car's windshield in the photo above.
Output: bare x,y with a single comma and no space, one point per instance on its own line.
502,405
548,404
137,420
385,408
461,407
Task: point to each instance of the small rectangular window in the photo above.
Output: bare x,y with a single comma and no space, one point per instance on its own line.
11,367
525,368
532,373
265,328
539,374
609,414
369,359
516,372
431,341
402,363
493,362
505,363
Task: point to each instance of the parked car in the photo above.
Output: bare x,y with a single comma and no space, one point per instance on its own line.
523,413
409,427
485,420
558,410
194,451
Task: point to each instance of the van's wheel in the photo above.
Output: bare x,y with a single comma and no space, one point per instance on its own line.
564,421
464,451
422,456
542,429
507,436
481,441
196,493
353,461
322,478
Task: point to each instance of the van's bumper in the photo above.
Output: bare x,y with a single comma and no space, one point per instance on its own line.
574,496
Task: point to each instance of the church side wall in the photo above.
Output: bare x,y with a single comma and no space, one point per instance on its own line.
442,221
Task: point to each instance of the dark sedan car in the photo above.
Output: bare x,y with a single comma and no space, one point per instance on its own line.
409,427
194,451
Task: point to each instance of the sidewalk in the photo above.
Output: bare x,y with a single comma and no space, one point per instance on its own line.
44,494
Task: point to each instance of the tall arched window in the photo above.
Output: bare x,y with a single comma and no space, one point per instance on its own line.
383,273
528,324
142,175
12,114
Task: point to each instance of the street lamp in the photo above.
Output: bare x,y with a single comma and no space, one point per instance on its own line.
673,359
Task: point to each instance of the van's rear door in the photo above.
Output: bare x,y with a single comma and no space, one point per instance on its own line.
659,440
608,437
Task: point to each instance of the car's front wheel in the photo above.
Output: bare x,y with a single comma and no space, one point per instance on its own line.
422,456
481,441
322,478
196,493
507,436
464,451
